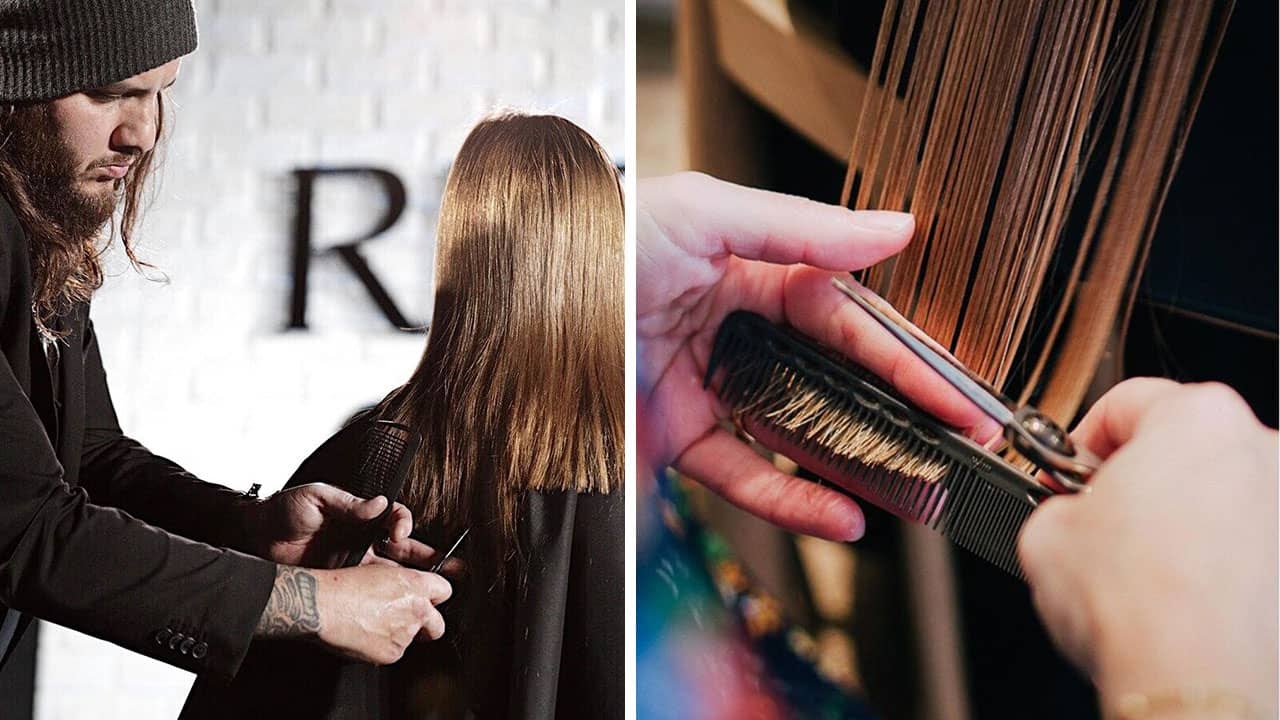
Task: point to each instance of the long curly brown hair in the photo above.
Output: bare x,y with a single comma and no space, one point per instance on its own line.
66,249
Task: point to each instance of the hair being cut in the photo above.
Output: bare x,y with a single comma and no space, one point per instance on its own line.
521,384
1035,144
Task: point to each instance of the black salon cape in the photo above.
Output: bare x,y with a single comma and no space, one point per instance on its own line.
560,648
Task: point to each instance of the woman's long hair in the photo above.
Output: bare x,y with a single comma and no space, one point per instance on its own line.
521,384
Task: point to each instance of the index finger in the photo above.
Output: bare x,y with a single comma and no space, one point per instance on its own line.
399,523
735,472
411,553
823,313
711,218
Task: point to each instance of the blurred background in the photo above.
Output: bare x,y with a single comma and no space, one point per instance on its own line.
202,366
759,92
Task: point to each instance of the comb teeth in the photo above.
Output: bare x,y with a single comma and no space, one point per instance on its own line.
386,450
843,427
384,446
985,520
846,426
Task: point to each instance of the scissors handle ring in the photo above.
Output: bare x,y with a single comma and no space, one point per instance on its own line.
1042,441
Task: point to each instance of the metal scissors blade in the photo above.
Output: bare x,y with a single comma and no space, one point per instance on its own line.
988,400
439,565
1033,434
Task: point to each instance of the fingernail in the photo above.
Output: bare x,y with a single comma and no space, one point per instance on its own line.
857,528
885,220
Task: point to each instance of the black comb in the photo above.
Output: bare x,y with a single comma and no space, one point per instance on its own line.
386,450
367,458
839,421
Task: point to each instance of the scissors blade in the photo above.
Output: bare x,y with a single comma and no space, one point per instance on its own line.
445,558
978,392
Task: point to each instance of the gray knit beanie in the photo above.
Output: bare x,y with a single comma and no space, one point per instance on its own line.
51,48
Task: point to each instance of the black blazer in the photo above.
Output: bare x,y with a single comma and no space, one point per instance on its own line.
82,506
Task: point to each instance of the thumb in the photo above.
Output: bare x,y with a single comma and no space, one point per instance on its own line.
335,501
368,509
1114,419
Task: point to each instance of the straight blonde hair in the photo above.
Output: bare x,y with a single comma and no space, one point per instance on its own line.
521,384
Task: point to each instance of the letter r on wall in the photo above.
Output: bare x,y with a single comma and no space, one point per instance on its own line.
348,252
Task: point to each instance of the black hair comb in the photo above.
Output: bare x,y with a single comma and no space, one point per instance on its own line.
367,458
840,422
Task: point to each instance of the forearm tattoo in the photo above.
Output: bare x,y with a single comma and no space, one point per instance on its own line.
291,611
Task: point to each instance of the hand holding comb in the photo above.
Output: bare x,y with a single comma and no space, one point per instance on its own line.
386,451
366,459
840,422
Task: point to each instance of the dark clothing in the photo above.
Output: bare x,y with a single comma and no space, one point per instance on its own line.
556,651
563,650
559,649
82,506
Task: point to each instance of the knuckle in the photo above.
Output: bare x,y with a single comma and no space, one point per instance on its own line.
430,587
1217,393
690,179
444,589
775,501
688,184
1215,401
1141,383
822,500
421,608
417,582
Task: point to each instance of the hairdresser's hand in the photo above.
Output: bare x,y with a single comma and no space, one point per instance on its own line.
312,525
369,613
1163,577
706,248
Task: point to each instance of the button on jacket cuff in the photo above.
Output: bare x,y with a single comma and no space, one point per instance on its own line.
221,639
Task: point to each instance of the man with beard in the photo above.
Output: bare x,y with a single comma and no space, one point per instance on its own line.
97,533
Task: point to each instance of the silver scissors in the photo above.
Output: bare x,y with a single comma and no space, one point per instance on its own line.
1032,433
439,565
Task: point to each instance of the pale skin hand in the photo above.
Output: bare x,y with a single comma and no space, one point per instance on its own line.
369,613
310,525
706,248
1163,577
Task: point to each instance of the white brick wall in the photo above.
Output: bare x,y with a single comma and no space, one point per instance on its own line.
200,367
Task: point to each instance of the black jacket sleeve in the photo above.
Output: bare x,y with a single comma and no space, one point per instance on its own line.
119,472
102,572
95,569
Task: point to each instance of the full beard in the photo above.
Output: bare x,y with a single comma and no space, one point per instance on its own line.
40,180
34,148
